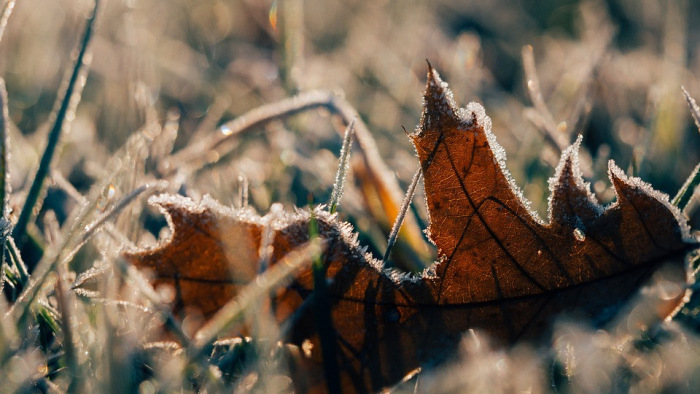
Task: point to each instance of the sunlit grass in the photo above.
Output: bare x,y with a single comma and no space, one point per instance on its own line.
220,98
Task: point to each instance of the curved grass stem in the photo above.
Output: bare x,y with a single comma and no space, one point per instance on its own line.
225,140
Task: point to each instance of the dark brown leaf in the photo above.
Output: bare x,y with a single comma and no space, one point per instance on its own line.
500,268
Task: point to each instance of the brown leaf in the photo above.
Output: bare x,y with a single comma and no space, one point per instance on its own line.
500,268
211,253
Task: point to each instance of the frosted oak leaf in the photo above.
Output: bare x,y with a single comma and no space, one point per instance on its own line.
500,268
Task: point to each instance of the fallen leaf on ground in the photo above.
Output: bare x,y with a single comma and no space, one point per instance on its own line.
500,268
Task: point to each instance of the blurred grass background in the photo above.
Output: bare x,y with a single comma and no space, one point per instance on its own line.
610,70
615,68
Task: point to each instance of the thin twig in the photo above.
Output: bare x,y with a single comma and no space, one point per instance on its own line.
68,101
243,191
224,139
552,133
214,114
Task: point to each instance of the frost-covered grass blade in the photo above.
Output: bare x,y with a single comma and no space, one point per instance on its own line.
66,103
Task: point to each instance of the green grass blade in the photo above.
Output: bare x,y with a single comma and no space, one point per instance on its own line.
5,225
4,147
17,262
68,101
340,175
322,309
686,191
694,109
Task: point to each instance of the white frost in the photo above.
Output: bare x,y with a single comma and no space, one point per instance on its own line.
615,172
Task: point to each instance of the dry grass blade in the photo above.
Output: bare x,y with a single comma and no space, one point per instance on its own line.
70,245
266,282
5,16
65,307
92,228
243,191
399,219
4,150
119,206
5,229
5,225
8,334
71,191
16,260
157,304
224,139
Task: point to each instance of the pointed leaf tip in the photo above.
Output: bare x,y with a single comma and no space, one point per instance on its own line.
618,178
439,108
571,200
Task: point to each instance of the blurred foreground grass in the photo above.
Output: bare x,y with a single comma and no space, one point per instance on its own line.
165,75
